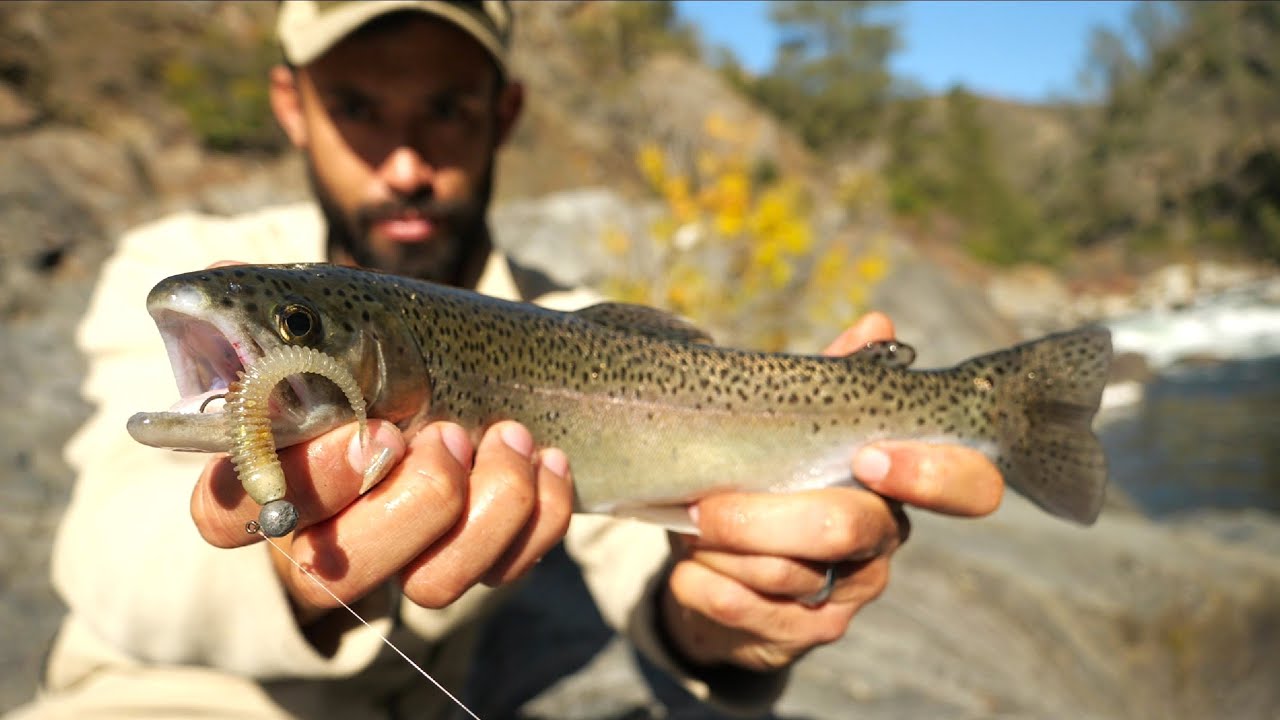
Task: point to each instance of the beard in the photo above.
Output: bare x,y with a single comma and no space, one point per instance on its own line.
460,231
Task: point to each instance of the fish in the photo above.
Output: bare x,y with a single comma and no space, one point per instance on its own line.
651,413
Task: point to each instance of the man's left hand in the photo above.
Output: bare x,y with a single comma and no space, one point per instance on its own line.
742,592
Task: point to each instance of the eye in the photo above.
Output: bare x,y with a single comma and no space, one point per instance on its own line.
297,323
350,106
445,109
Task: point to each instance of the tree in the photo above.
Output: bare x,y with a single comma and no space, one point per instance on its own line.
831,79
1185,153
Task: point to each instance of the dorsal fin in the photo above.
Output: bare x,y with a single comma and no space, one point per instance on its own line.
644,320
889,353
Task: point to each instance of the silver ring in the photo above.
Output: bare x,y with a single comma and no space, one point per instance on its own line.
820,598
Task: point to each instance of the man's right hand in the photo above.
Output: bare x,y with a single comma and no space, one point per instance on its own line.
448,515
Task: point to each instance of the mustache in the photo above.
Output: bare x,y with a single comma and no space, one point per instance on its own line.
426,206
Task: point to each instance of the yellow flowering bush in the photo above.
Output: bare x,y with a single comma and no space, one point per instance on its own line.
739,255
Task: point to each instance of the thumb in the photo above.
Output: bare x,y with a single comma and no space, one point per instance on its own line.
871,327
324,475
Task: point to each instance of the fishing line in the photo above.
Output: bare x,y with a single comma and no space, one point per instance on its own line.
253,528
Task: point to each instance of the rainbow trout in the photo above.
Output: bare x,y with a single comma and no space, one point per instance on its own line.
651,414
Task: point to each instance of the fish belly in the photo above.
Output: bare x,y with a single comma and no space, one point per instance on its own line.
629,454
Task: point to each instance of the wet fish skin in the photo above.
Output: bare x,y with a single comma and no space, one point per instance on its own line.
650,413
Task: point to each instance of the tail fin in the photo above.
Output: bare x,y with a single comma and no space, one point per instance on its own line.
1046,394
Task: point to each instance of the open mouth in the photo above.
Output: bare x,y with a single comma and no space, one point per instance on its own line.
207,358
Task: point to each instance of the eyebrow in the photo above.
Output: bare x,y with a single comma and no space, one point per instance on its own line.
454,89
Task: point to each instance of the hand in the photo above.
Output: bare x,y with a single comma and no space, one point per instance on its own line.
448,515
734,596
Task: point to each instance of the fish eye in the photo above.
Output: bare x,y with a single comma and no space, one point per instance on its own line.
296,323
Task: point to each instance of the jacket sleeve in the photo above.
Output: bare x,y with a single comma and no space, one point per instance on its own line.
128,560
625,565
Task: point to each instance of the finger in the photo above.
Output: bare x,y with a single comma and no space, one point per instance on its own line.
546,526
502,497
869,328
787,579
748,628
827,525
224,263
766,574
949,479
377,534
323,474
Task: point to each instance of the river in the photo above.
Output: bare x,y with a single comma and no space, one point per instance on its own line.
1204,432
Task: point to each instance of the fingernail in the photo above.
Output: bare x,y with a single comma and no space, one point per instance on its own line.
694,514
516,437
374,454
871,465
457,441
556,461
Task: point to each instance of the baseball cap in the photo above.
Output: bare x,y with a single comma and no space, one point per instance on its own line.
308,28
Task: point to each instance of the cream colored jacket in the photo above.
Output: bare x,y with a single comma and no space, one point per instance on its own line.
162,622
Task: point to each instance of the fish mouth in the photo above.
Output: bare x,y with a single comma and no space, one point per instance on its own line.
208,356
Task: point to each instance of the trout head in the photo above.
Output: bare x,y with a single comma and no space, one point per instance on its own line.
217,322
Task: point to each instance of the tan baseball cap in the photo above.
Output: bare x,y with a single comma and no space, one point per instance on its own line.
308,28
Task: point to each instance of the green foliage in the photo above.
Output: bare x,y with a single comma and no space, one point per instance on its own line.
1188,137
221,85
1180,153
952,168
1001,225
615,37
831,79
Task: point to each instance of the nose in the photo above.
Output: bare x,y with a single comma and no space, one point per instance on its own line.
405,171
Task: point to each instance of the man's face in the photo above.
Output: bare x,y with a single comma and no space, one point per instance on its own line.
399,125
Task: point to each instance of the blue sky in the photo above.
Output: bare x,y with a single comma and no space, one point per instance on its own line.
1028,51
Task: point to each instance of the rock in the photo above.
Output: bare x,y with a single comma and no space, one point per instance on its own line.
1092,306
1170,287
60,192
1130,366
562,234
946,319
1026,616
1034,297
48,223
702,113
15,112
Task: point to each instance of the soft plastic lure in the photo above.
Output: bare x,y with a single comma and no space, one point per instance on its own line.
253,449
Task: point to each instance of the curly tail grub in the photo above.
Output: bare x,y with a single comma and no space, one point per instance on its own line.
253,449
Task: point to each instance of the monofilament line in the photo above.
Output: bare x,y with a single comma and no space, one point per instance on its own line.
356,615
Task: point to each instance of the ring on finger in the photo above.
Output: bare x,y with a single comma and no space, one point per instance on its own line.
820,598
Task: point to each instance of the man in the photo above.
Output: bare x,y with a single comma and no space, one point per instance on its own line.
399,109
